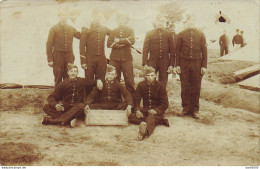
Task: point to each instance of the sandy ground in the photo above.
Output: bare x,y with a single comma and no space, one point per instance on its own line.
223,136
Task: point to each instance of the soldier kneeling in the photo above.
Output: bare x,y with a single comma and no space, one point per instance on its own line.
155,102
110,97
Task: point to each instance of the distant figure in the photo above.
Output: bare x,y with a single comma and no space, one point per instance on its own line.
223,43
243,40
155,103
59,47
237,40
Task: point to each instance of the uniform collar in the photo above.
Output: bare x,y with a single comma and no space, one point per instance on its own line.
110,82
73,80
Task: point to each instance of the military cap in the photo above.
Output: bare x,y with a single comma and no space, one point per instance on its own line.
237,30
71,66
242,31
110,68
148,70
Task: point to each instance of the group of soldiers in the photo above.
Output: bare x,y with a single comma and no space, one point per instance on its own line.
101,88
237,42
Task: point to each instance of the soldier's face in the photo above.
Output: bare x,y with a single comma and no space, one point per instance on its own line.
121,20
73,73
150,78
159,23
63,18
110,76
96,19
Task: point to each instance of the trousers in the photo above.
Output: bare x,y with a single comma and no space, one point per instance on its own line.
60,62
69,114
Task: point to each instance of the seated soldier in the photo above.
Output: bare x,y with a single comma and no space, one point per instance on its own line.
66,102
155,102
110,97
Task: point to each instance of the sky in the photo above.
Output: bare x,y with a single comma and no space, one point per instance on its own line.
24,27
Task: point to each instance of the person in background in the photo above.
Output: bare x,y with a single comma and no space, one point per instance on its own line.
223,43
237,40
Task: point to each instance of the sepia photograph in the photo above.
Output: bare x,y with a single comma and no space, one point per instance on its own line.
129,83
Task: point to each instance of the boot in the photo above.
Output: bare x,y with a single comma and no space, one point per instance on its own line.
142,131
183,113
195,115
166,122
49,120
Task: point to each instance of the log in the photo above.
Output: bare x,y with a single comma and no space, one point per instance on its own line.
247,72
251,83
107,118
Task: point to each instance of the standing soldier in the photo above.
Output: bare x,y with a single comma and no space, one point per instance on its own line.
223,43
92,49
155,103
121,58
159,44
191,64
237,40
59,47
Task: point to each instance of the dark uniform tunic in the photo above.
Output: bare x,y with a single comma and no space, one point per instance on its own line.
121,56
223,43
191,56
59,49
154,97
237,39
160,45
110,97
71,94
92,52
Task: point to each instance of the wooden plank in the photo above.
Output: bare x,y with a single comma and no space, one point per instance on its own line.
107,118
251,83
244,73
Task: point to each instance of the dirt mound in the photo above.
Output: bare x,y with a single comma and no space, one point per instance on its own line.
19,153
15,99
231,96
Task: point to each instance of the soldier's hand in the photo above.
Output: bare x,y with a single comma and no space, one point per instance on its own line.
99,84
86,109
139,114
178,70
59,107
203,70
84,66
128,110
170,69
50,64
152,111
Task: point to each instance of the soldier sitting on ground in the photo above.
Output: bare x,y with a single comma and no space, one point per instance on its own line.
110,97
65,104
155,102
